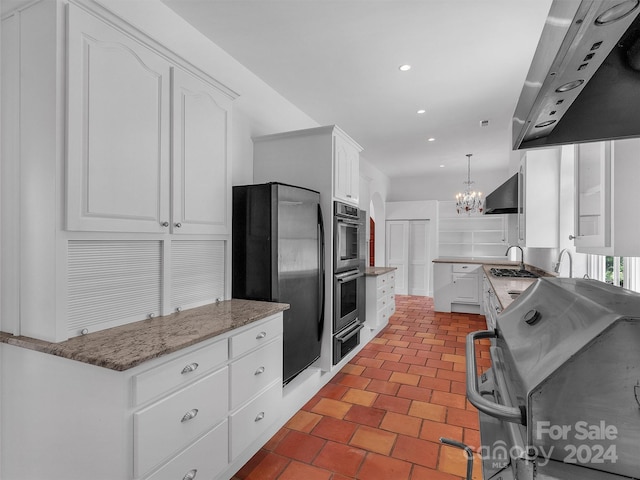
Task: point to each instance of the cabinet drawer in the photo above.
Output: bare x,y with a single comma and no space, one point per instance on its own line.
251,421
385,279
255,336
165,427
205,458
174,373
253,372
465,267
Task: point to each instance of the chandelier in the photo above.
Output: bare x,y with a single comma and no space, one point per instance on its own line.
469,202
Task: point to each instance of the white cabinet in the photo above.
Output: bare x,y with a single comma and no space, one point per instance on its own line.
539,198
457,287
120,143
201,168
605,174
118,130
490,303
380,299
346,160
121,125
164,419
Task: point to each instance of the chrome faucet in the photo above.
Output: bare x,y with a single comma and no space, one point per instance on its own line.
521,254
556,267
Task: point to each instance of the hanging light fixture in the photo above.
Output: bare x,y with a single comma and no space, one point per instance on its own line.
469,202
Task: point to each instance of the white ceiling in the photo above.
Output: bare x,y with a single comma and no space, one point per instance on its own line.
337,60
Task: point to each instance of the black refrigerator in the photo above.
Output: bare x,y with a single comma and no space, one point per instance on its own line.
278,256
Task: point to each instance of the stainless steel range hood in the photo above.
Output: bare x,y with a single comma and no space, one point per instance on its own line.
584,80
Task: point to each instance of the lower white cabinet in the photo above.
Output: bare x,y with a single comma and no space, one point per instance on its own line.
205,458
167,426
185,415
490,304
380,299
457,287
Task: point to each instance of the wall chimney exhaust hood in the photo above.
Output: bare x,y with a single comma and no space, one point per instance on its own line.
503,199
584,80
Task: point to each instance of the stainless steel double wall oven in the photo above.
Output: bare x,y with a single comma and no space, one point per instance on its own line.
348,268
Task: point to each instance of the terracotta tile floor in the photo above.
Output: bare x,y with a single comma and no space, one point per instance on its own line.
382,415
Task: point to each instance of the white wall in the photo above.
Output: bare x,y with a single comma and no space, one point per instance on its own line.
259,109
443,185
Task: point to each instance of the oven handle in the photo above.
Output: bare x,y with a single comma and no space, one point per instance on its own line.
493,409
348,276
343,337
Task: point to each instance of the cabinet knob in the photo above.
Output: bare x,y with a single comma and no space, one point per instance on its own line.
190,368
191,474
191,414
259,371
165,224
151,315
178,225
259,417
571,237
348,196
261,335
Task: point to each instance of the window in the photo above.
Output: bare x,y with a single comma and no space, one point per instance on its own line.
621,271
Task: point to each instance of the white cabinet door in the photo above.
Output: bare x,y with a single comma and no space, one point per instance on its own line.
346,171
593,195
465,288
201,174
398,253
118,130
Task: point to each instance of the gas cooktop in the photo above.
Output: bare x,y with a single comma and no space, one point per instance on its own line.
512,272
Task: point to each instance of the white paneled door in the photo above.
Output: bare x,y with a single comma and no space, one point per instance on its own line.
407,250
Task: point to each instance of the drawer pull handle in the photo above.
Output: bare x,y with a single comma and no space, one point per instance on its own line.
261,335
259,417
190,368
191,414
259,371
191,474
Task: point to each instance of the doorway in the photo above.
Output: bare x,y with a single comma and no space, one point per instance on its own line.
408,251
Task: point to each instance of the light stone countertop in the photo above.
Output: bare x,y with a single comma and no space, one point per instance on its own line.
503,285
375,271
127,346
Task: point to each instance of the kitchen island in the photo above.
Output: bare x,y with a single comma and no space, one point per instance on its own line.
194,392
465,284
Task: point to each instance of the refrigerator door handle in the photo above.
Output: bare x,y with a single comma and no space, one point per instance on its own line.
321,273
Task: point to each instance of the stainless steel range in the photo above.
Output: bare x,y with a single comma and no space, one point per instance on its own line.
562,398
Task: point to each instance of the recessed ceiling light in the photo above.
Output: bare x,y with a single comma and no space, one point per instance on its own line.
431,139
404,68
441,166
421,111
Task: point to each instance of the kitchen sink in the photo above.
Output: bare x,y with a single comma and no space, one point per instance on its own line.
513,272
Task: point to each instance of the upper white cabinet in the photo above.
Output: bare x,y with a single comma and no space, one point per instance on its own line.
118,133
116,167
605,173
201,171
125,110
346,165
325,159
539,198
593,195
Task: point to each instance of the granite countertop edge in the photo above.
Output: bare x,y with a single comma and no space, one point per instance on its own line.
376,271
127,346
503,285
